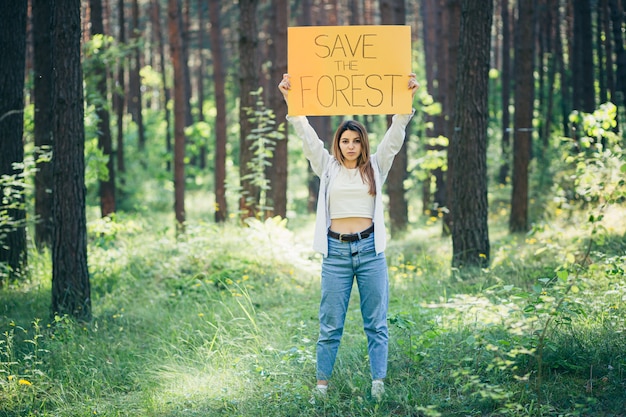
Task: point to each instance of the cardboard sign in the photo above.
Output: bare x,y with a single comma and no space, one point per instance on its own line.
349,70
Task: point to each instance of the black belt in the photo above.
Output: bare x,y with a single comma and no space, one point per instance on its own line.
351,237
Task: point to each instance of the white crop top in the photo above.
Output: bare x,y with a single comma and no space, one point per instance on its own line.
349,196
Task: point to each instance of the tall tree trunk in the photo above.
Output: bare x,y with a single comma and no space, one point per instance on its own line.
156,9
176,53
600,43
450,48
107,187
278,173
71,290
563,73
200,81
185,42
582,60
552,33
431,16
617,18
221,210
355,12
505,163
608,50
398,205
135,80
524,96
12,62
470,232
44,113
120,94
249,81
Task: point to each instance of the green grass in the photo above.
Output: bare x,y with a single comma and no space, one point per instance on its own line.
223,322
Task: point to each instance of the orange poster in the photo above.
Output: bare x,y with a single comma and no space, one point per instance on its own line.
349,70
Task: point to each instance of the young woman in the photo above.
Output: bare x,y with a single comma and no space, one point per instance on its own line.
350,233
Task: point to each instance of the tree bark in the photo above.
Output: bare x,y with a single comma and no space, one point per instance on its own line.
179,111
449,56
505,163
582,59
200,81
120,93
221,210
470,232
398,205
608,50
107,187
278,173
12,62
156,9
431,16
135,80
617,18
184,35
524,97
248,81
44,113
71,291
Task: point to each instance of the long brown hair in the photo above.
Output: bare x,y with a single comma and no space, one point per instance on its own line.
363,161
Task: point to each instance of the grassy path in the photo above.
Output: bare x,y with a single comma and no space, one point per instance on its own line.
223,323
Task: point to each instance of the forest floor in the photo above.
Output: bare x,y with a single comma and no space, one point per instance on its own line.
223,322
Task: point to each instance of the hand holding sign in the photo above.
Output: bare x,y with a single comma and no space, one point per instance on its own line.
348,70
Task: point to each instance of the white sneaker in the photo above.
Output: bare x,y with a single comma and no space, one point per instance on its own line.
319,393
378,389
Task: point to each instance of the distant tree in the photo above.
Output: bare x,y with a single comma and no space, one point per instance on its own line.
107,187
369,11
219,82
156,19
431,18
119,98
356,16
582,60
617,20
523,118
394,13
548,32
451,19
200,72
468,150
44,113
185,32
12,62
71,291
505,162
278,54
135,105
607,44
176,53
249,82
564,74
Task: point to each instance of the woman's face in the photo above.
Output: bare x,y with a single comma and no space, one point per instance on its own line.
350,146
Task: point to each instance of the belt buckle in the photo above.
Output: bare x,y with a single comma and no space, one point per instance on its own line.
341,237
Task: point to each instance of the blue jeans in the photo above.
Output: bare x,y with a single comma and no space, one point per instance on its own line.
345,261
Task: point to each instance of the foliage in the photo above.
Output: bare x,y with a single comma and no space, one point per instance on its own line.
223,321
12,198
14,189
100,53
593,164
263,138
